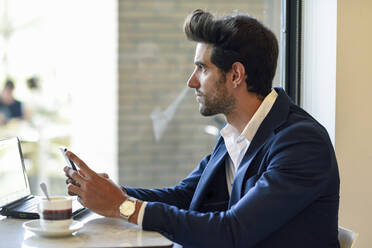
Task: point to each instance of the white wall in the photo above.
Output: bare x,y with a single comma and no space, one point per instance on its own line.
319,61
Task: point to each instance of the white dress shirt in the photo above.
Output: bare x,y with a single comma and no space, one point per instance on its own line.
236,144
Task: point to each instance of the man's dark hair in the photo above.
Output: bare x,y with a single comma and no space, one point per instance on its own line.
33,83
237,38
9,84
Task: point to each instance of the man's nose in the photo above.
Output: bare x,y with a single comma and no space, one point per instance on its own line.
193,81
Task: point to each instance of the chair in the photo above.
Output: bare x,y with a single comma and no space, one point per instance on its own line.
346,237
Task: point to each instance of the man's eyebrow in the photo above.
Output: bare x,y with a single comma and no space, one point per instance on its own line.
198,63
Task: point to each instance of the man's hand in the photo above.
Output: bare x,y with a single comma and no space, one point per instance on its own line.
95,191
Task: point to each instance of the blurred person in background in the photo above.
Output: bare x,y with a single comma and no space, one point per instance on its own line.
34,98
10,108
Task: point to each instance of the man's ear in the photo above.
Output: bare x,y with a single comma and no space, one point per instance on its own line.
238,74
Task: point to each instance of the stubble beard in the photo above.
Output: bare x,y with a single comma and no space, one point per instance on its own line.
221,102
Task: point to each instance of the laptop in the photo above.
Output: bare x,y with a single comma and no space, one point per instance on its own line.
16,199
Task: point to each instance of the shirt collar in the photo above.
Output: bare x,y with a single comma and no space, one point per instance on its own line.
256,120
258,117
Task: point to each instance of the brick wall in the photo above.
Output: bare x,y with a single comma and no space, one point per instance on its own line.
155,61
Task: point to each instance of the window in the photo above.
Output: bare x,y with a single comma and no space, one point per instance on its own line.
162,136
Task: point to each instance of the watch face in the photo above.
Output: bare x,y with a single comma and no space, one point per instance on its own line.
128,208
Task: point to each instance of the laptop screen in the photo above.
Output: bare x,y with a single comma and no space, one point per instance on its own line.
13,179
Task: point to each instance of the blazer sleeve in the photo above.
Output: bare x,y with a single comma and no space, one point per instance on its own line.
179,195
298,168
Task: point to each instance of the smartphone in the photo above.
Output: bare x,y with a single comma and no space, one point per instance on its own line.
69,161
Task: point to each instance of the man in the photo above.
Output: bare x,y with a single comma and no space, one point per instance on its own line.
272,179
9,107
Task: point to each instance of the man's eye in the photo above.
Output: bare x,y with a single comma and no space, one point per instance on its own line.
201,68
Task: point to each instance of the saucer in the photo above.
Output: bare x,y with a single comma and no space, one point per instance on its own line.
35,227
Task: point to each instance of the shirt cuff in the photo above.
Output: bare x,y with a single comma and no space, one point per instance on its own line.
141,213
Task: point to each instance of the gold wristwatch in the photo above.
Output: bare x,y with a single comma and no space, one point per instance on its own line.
128,207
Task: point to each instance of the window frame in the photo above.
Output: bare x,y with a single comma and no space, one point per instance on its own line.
291,45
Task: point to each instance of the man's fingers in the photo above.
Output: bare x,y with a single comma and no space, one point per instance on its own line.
74,190
81,173
65,169
75,176
69,180
71,193
80,163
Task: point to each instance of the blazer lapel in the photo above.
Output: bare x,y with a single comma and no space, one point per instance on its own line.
216,161
239,177
275,118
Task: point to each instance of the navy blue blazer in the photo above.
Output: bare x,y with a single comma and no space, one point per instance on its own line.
285,192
